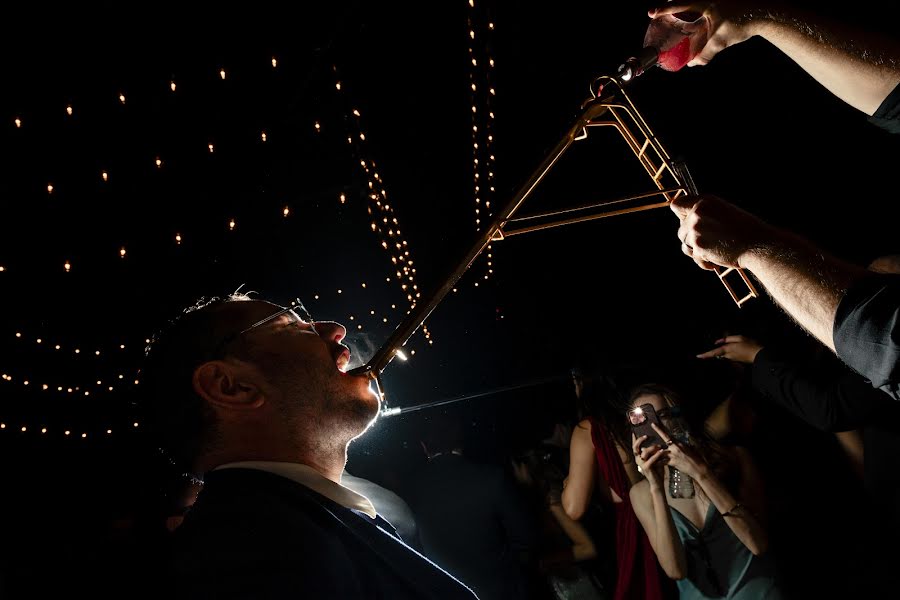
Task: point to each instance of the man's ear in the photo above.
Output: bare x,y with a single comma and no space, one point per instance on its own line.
222,384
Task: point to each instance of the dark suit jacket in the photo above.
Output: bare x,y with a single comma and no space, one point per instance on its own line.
253,534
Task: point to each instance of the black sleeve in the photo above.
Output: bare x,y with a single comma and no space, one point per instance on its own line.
867,331
888,114
838,403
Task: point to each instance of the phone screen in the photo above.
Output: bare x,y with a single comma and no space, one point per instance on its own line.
641,418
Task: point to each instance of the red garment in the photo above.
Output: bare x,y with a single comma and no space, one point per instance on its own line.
638,573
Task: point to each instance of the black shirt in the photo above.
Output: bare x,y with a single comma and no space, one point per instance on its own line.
867,331
888,114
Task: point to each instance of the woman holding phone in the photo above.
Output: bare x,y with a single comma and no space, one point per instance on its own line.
702,513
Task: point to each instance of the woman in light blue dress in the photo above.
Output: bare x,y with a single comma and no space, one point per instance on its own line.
699,504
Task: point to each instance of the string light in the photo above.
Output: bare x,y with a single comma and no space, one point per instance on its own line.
381,211
482,127
45,431
378,200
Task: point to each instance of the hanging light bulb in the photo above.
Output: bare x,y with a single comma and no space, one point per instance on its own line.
121,98
172,85
222,73
49,188
122,252
104,175
18,122
274,62
211,149
178,238
231,225
263,136
286,211
158,162
318,127
67,266
69,110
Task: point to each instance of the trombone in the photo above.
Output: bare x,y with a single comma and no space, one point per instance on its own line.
608,106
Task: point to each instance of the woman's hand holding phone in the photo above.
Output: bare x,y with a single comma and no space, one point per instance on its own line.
649,460
683,458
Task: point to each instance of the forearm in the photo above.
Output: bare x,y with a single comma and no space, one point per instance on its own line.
805,281
858,67
667,545
738,517
582,545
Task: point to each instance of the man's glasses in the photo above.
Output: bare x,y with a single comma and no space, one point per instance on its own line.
296,310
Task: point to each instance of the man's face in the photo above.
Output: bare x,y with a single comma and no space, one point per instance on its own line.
303,366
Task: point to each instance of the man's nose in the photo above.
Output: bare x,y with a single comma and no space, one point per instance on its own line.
331,331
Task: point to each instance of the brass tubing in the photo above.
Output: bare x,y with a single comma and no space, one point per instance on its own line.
612,213
423,309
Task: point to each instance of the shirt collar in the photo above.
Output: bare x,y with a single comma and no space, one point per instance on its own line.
306,475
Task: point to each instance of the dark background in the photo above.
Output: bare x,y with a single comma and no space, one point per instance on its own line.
753,127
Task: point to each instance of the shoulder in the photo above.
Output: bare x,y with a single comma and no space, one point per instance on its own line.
582,431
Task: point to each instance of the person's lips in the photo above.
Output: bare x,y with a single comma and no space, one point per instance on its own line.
343,360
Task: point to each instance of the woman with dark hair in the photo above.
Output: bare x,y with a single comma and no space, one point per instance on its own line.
700,514
598,462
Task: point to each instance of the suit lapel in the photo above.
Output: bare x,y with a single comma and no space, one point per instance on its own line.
378,536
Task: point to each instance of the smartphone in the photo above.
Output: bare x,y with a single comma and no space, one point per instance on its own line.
641,418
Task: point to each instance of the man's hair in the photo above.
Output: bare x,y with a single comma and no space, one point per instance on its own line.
180,420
